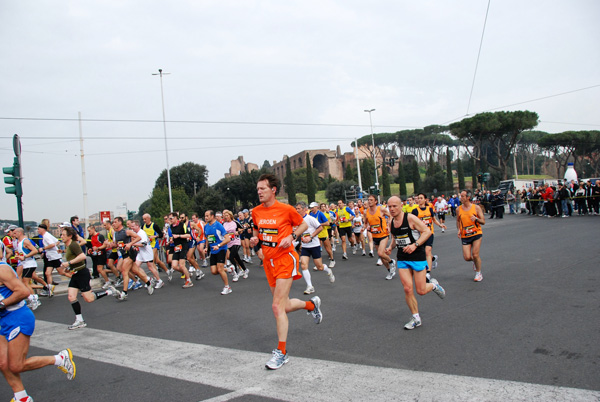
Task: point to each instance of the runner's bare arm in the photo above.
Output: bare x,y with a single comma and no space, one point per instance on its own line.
11,281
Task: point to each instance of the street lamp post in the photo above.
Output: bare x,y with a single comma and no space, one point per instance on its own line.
358,165
162,97
374,156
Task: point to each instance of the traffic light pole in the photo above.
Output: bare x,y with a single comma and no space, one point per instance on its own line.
20,210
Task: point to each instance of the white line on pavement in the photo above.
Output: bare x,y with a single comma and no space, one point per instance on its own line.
243,372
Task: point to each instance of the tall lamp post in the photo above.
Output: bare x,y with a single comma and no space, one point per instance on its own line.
162,97
374,156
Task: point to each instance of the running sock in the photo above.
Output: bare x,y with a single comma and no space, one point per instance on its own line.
310,306
79,317
148,283
327,269
100,294
76,307
306,275
58,360
417,316
31,297
21,395
281,347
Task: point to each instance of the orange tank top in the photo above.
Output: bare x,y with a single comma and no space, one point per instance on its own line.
468,228
426,215
377,223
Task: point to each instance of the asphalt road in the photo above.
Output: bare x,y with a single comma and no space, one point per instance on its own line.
526,332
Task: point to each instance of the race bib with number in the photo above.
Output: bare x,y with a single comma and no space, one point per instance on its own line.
403,240
469,230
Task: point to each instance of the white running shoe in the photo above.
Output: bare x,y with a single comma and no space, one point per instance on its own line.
438,290
278,360
204,263
316,313
170,274
309,290
331,263
391,273
434,262
331,277
188,284
478,277
78,324
379,262
150,288
68,365
226,290
235,277
412,324
315,269
199,275
159,284
246,272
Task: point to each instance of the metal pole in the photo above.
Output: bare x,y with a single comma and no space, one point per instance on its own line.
357,164
162,97
83,180
20,210
17,149
374,156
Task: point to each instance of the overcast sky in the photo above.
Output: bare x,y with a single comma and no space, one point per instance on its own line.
317,64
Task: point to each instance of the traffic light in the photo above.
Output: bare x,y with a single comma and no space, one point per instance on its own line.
479,177
130,214
14,178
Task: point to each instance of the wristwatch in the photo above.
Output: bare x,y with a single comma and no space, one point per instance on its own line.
2,305
417,244
294,236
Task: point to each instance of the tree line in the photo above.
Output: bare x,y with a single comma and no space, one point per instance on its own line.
494,142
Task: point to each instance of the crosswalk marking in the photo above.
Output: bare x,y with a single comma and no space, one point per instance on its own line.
243,373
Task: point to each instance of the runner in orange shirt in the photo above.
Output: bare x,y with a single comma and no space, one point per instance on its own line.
468,222
273,223
376,222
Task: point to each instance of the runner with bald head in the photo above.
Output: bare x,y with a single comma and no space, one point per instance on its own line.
411,258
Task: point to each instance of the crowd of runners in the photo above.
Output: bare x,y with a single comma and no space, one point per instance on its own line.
130,255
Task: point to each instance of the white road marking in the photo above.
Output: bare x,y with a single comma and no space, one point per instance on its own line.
244,373
235,394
